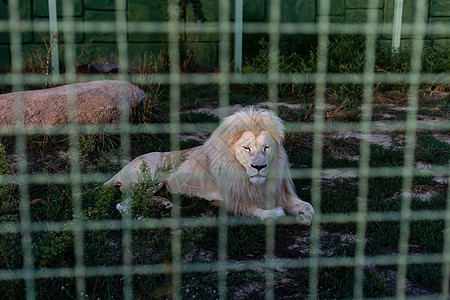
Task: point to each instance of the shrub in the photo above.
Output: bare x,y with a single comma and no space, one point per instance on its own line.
292,63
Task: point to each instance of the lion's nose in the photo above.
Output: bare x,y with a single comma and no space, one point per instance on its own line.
259,167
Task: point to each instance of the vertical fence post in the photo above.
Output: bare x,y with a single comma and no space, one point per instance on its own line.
53,36
238,7
397,25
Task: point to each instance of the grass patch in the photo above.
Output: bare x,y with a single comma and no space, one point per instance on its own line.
338,283
302,114
199,286
428,275
246,241
385,157
9,201
153,246
431,150
198,117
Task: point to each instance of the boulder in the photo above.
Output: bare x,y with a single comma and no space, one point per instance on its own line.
98,102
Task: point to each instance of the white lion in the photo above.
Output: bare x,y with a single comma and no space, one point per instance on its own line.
243,163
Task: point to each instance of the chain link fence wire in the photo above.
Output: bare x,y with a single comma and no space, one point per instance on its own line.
224,78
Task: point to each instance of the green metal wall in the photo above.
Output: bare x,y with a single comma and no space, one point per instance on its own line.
206,44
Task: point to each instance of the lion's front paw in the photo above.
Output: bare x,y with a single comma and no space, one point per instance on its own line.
162,202
301,209
305,214
269,213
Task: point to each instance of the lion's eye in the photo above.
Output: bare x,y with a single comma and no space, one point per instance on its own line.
265,148
246,148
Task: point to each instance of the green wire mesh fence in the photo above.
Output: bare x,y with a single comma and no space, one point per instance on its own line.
224,77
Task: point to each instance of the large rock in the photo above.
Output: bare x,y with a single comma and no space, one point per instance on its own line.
98,103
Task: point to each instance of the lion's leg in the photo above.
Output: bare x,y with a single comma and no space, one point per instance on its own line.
296,207
268,213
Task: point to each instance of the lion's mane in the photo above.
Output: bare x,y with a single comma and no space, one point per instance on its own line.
240,194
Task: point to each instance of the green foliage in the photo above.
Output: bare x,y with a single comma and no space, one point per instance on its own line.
52,250
142,192
4,166
10,251
346,54
149,110
107,163
149,183
436,59
393,62
292,63
55,202
102,203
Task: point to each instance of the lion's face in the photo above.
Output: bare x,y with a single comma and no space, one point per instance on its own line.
254,152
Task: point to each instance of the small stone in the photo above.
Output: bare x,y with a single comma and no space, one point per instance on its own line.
108,68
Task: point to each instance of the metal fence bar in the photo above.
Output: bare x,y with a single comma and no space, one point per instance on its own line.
238,20
212,222
381,260
430,78
74,145
174,60
53,35
224,102
273,74
120,27
316,181
409,155
192,27
20,143
364,167
387,126
397,26
446,250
